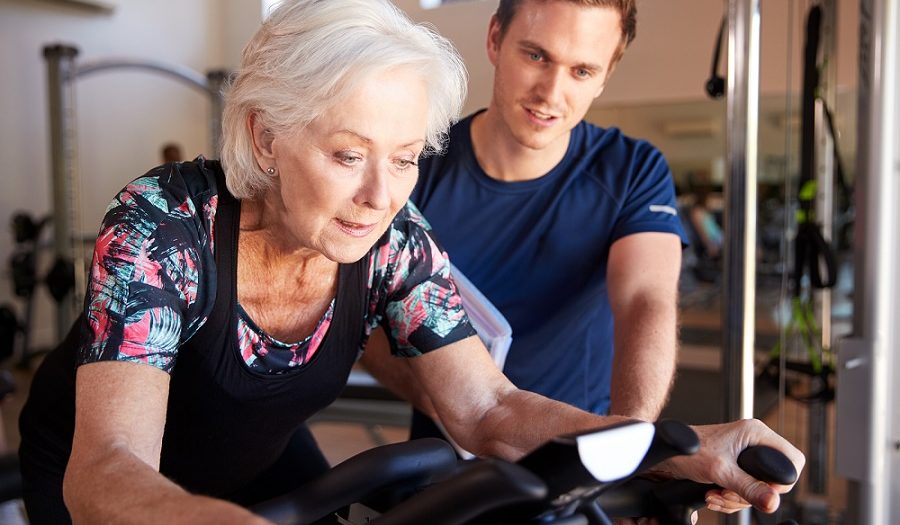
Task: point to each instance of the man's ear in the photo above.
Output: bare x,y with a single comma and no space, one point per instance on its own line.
494,36
262,141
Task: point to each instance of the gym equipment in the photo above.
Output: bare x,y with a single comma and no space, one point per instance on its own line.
868,369
59,280
62,72
584,478
715,85
10,478
9,328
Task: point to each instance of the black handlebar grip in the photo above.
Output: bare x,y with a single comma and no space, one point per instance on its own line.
767,464
671,438
486,486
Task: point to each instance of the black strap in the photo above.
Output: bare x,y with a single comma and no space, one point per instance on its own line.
813,255
808,103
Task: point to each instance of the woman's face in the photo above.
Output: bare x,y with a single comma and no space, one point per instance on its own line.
343,178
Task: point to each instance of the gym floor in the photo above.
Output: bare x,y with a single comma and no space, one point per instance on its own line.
695,399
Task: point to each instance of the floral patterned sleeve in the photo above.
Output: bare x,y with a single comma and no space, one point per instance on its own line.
412,293
146,290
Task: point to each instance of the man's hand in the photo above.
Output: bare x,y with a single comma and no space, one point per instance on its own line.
716,462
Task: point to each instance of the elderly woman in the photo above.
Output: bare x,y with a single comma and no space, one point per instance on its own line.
227,303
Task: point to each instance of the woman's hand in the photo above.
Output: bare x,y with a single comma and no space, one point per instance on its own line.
716,462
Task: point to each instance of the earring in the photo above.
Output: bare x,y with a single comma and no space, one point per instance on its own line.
270,170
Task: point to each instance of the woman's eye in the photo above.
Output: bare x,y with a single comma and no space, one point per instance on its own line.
405,163
348,158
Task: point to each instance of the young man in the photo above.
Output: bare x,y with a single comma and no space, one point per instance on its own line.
569,229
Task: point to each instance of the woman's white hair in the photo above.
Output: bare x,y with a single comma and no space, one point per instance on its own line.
309,54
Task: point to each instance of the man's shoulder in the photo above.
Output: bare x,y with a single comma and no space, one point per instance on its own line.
611,139
609,152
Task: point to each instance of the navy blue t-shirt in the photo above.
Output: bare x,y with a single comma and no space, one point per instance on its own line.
538,249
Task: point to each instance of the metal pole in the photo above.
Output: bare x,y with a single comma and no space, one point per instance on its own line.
217,81
60,63
738,321
212,84
740,206
61,73
817,446
868,426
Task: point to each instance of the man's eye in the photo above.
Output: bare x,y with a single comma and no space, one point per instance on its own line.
535,57
582,73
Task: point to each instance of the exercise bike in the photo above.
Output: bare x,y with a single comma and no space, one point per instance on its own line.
587,478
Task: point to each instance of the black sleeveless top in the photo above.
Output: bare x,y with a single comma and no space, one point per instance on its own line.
225,423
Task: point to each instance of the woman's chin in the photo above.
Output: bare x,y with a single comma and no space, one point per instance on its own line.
347,254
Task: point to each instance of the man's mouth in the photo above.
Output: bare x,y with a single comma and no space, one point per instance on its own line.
540,117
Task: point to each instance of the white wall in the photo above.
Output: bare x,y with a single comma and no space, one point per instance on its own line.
671,57
122,117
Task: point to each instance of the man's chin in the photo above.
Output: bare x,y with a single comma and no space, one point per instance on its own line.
535,141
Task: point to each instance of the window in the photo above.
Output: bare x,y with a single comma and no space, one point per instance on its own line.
434,4
268,6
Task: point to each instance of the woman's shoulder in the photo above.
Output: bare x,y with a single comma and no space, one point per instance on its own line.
408,234
409,218
179,190
169,185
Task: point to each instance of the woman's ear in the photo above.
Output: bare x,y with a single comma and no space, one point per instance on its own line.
262,141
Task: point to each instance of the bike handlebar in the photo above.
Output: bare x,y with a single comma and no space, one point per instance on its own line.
413,463
767,464
673,501
486,486
553,480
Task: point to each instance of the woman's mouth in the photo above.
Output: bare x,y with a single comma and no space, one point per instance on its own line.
355,229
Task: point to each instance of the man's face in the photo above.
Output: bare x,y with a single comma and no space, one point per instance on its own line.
550,64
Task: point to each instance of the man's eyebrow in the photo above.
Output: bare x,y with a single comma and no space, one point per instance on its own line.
532,46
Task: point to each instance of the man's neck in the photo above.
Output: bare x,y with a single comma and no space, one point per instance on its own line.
504,158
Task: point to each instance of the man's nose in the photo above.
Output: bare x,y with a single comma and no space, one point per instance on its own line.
552,85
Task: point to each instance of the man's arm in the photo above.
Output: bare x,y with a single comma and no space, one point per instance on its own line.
642,276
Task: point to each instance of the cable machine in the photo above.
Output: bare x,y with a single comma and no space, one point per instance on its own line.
62,72
868,413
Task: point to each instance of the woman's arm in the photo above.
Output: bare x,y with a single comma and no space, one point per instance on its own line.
486,414
394,373
113,472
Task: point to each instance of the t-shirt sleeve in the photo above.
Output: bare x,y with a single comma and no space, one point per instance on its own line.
143,297
416,299
649,204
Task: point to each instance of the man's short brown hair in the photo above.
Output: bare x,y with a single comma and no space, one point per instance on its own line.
627,10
